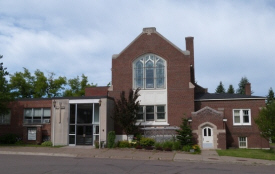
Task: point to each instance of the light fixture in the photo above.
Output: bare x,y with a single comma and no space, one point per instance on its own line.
54,103
99,102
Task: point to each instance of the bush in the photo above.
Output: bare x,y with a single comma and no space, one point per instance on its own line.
186,148
158,145
47,143
96,144
167,144
176,145
197,149
8,139
145,142
124,144
111,139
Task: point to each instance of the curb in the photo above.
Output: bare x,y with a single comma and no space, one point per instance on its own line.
37,154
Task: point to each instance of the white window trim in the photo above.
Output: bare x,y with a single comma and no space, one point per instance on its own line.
239,139
241,117
144,73
156,121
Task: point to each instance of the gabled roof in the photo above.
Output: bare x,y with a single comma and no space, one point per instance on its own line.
149,31
224,96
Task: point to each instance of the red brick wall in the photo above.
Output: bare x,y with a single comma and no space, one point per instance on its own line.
16,125
180,96
96,91
233,132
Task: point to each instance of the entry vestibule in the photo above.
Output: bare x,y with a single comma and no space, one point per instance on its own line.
84,123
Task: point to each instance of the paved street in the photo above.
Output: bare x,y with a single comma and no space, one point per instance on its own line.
51,165
209,156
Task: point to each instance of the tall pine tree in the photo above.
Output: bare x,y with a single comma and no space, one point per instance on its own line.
220,89
185,133
243,82
230,89
270,97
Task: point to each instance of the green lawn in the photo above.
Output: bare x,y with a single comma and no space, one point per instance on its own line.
248,153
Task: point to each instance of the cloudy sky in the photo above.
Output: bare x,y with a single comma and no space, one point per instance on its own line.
232,39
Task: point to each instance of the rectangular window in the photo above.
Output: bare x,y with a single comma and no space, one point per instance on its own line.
241,117
140,113
242,142
160,112
5,118
37,115
151,113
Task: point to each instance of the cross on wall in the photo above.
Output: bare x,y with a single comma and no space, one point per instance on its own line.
60,107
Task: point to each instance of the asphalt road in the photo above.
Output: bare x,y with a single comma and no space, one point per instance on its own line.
11,164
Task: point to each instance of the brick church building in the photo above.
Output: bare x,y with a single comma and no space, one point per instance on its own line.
166,76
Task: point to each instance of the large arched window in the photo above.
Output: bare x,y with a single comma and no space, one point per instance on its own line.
149,72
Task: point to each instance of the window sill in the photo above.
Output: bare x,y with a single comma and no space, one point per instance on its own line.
246,125
152,123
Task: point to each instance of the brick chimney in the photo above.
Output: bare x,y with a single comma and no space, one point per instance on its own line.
247,89
189,41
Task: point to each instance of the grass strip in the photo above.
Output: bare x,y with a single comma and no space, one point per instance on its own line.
248,153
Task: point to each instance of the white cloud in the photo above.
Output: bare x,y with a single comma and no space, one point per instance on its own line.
232,38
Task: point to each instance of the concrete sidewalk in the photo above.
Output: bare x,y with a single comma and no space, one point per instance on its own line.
209,156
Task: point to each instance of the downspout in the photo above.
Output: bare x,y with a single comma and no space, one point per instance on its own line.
99,126
53,121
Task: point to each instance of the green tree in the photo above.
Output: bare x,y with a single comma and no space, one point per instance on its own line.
185,133
77,87
40,84
230,89
23,84
266,121
270,97
55,86
243,82
220,89
5,94
125,111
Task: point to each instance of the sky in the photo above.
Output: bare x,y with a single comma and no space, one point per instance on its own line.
232,39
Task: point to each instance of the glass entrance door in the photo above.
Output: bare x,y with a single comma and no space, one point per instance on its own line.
84,135
84,124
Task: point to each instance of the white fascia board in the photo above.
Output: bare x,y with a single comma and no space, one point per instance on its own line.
85,101
231,99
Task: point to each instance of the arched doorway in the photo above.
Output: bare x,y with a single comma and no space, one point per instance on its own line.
207,138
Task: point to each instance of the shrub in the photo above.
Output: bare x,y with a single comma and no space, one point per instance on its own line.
147,142
197,149
124,144
158,145
96,144
111,139
47,143
8,139
186,148
176,145
167,144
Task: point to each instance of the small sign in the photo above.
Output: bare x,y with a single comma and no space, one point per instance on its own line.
31,133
